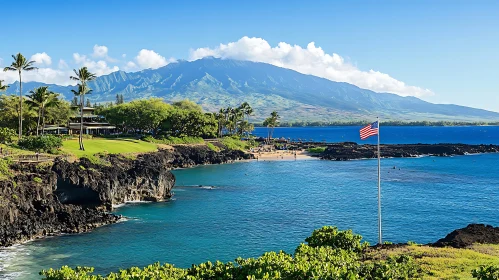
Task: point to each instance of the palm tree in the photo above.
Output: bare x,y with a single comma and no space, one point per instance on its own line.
41,98
3,87
247,110
271,122
221,121
20,64
82,76
81,93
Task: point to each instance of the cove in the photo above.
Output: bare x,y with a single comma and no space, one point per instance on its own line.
261,206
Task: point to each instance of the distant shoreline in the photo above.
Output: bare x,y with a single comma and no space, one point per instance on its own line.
388,123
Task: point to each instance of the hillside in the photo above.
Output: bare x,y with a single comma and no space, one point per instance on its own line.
216,83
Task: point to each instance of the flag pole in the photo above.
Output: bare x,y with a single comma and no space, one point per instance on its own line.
380,239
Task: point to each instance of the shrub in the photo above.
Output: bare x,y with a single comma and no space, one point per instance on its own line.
212,147
490,272
7,135
4,167
37,180
340,239
174,140
44,143
234,143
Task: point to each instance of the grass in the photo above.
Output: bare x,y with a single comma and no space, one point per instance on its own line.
316,150
235,144
446,263
110,146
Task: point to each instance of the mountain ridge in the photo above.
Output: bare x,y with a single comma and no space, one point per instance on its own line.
215,83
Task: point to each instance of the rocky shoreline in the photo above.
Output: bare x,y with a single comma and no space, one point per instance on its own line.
351,150
50,199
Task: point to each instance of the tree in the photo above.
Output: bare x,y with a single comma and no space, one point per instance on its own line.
187,105
3,87
41,98
60,113
88,103
74,101
271,122
20,64
83,76
119,99
81,92
247,111
9,113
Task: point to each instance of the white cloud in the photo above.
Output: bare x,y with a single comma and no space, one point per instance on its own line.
62,64
41,58
310,60
151,59
45,75
131,66
123,55
99,67
100,51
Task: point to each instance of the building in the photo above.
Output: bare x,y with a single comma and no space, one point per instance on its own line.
92,124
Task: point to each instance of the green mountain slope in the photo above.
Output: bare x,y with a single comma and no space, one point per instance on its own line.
216,83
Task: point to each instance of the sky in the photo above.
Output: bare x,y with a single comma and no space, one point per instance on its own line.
440,51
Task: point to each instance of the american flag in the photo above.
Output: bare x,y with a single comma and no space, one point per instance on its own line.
369,130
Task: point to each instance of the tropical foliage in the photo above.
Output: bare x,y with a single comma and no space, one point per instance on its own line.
56,112
43,143
41,98
7,135
82,76
271,122
19,65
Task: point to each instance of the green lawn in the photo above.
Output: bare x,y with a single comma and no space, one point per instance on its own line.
111,146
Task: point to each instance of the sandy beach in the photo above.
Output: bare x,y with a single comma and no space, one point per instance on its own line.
283,155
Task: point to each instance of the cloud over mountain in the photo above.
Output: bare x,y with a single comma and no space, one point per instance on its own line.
310,60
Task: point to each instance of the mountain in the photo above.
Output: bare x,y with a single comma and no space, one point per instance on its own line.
216,83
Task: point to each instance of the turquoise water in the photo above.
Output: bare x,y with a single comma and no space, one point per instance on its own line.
260,206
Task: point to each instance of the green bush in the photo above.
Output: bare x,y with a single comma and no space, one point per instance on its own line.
212,147
234,143
43,143
337,239
490,272
7,135
174,140
37,180
4,167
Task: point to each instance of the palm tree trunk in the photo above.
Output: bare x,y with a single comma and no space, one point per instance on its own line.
81,124
20,106
38,122
43,120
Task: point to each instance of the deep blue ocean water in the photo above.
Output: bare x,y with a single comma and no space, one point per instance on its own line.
261,206
391,134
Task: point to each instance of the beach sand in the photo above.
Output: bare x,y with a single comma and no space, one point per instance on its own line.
283,155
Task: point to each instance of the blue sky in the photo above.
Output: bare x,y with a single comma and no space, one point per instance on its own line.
443,51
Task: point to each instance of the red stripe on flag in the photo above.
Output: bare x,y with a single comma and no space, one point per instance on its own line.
367,131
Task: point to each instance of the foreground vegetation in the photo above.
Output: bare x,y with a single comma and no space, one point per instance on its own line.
327,254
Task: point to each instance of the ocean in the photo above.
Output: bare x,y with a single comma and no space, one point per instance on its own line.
253,207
